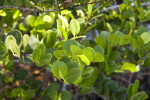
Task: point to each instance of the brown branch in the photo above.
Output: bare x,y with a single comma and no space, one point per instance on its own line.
35,10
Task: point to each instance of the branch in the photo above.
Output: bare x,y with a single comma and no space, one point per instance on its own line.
35,10
19,8
117,6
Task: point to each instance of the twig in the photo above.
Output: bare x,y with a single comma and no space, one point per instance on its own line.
117,6
33,10
19,8
145,73
103,97
64,87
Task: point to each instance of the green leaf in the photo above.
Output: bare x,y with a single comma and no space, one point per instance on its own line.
84,59
17,92
130,91
8,92
1,45
76,50
68,44
73,75
28,95
36,55
85,90
38,52
78,81
48,19
42,48
120,34
109,50
137,3
74,27
38,21
60,53
87,81
89,53
122,8
52,87
98,57
135,86
23,27
99,49
16,15
11,44
71,65
20,74
3,53
29,20
100,41
143,96
25,40
63,33
97,16
127,2
134,44
64,22
147,62
140,41
109,27
125,39
2,13
129,66
129,13
105,35
114,55
112,66
65,95
141,29
128,27
45,59
17,35
145,36
73,72
59,69
136,95
90,8
88,72
49,39
113,39
120,93
35,85
39,56
33,42
52,91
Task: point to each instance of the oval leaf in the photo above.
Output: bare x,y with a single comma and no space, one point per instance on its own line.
59,69
11,44
74,27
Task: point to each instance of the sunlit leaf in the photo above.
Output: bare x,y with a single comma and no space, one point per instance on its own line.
129,66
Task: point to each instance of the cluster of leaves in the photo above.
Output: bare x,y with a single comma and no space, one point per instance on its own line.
56,42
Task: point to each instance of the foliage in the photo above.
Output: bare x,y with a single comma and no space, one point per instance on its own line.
58,43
